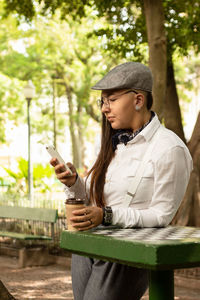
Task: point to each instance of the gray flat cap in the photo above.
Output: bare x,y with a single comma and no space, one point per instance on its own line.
130,75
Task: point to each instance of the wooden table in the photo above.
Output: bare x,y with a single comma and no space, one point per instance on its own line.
160,250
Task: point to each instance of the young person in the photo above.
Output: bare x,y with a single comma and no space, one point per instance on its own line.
131,136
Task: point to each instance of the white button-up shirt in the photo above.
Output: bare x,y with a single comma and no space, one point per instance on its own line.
163,183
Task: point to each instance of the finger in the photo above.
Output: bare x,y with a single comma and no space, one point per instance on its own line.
64,175
86,228
83,225
85,211
78,219
71,166
60,168
54,162
80,212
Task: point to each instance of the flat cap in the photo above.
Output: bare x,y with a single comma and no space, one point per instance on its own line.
130,75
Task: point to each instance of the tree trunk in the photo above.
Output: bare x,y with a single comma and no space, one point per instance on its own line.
172,112
154,16
54,114
72,129
80,136
90,111
195,138
189,211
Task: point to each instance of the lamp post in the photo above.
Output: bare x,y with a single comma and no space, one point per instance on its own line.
29,92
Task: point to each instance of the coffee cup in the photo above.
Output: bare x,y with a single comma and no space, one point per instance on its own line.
72,204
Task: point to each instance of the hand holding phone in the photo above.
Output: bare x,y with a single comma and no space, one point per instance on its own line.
54,154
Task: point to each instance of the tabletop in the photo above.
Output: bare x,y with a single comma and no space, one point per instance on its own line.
151,248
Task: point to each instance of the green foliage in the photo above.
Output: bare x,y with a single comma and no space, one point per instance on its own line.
40,175
127,20
19,179
29,8
25,7
182,19
41,52
11,103
187,73
182,26
74,45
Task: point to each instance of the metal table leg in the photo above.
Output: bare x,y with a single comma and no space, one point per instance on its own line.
161,285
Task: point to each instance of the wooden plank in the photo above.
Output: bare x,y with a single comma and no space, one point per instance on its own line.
29,213
22,236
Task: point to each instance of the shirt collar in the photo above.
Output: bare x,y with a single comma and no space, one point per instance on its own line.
148,132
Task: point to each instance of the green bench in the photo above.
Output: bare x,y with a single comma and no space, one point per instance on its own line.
160,250
28,214
28,256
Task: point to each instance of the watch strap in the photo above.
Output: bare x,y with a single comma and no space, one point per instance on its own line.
107,216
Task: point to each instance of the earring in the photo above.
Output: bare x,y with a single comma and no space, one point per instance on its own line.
137,108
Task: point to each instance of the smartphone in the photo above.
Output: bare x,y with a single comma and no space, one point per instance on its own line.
54,154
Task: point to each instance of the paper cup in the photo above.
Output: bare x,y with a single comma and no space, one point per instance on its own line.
70,205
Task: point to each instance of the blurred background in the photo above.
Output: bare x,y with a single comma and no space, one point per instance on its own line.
52,52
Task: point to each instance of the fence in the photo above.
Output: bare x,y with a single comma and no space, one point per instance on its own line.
55,200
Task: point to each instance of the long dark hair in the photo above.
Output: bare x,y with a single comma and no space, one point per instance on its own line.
98,171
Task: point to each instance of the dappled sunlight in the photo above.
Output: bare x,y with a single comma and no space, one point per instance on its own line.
46,282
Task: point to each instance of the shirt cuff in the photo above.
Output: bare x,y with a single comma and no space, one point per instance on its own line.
77,190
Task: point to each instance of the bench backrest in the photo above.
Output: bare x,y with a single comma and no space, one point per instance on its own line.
29,213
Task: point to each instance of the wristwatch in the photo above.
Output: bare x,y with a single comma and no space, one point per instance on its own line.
107,216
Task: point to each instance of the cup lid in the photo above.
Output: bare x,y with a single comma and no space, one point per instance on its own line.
74,201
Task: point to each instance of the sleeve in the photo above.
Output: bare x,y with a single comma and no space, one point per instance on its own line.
171,176
79,189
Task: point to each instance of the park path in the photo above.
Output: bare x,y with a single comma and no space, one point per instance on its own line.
45,283
53,282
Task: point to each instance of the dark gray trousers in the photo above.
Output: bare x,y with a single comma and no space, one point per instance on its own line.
94,279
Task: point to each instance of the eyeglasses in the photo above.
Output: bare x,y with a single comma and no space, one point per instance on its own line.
106,101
